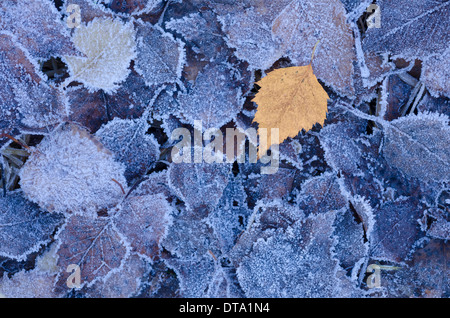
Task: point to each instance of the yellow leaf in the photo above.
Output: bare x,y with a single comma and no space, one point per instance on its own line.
290,99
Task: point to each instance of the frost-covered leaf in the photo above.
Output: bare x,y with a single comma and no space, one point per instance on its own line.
123,283
89,9
91,243
302,23
24,228
436,74
250,34
155,183
91,110
195,276
214,98
195,250
435,105
206,278
396,229
199,185
133,7
269,186
31,284
202,31
247,25
163,282
295,263
341,150
38,27
410,29
436,222
160,58
321,194
418,146
109,46
350,248
189,238
143,221
426,275
26,101
70,171
266,218
231,214
128,141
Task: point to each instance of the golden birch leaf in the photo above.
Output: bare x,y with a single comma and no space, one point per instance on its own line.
290,99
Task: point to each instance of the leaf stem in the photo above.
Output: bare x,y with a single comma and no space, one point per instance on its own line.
314,51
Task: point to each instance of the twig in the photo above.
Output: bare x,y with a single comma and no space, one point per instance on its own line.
120,185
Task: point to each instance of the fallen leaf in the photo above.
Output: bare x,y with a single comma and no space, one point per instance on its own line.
321,194
350,248
160,58
282,265
71,171
290,99
410,28
24,227
91,243
93,109
124,283
247,25
200,186
302,23
128,140
27,102
31,284
215,97
144,221
38,27
417,145
436,74
396,230
109,46
425,275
